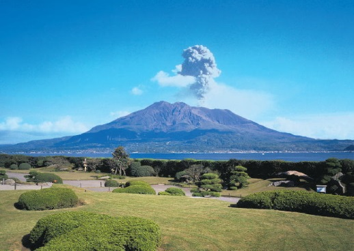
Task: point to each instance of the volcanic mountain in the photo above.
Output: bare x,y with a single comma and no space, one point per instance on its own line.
164,127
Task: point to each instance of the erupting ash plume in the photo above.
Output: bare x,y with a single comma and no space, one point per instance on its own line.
199,63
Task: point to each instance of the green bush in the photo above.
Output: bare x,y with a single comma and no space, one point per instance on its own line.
3,175
261,200
43,177
164,193
47,199
301,201
81,231
175,191
141,171
195,190
24,166
111,183
14,167
136,182
138,189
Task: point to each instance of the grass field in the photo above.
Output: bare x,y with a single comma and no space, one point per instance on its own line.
260,185
195,224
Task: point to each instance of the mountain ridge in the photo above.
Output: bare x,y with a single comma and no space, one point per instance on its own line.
164,127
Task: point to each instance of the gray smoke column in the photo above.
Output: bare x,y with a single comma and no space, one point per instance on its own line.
200,63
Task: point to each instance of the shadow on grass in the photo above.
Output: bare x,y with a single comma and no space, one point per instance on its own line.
17,206
26,242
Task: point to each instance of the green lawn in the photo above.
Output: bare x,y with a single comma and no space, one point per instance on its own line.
195,224
260,185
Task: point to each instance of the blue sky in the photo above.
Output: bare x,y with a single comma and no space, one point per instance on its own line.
66,66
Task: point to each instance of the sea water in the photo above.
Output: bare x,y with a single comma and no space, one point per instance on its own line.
286,156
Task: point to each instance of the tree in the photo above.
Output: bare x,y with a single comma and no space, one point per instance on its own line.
194,172
238,178
209,185
122,160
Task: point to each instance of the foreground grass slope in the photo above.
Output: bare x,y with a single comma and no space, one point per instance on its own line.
195,224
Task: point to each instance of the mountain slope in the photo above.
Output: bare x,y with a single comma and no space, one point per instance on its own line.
165,127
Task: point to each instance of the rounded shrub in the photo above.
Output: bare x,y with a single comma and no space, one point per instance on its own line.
89,231
47,199
14,167
137,189
141,171
175,191
301,201
24,166
136,182
111,183
43,177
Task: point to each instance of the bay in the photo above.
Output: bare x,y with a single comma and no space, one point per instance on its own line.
285,156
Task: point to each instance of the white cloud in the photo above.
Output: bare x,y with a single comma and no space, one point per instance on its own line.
320,126
11,123
119,114
136,91
164,79
65,125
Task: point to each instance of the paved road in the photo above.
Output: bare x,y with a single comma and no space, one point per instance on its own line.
20,176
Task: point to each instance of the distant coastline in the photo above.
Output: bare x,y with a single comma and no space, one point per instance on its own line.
293,156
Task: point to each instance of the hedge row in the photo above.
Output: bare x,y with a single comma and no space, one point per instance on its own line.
47,199
84,231
165,168
301,201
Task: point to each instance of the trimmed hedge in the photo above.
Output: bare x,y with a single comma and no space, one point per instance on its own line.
14,167
175,191
301,201
142,171
137,189
111,183
37,177
84,231
47,199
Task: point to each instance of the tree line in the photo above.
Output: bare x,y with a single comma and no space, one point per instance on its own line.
321,171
